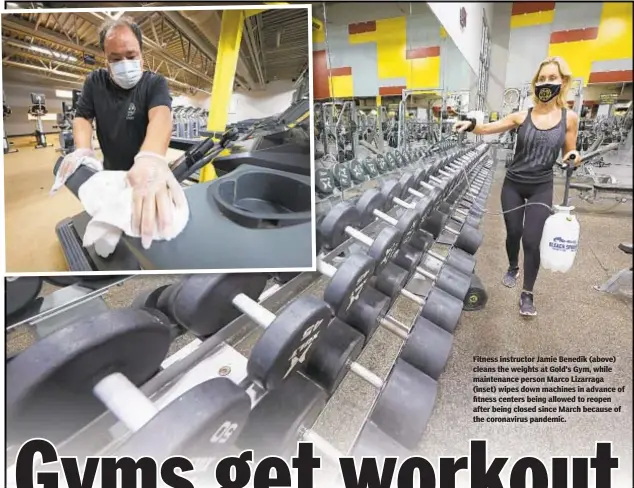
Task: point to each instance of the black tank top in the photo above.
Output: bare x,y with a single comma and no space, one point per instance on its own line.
536,151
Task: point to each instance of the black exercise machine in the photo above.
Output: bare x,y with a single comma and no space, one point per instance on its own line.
253,217
65,124
6,111
38,110
281,143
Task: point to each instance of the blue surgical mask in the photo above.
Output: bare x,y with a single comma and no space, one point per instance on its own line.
126,73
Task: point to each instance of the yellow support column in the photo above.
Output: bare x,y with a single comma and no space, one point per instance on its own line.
224,76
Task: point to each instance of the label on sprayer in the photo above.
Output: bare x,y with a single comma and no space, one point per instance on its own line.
561,244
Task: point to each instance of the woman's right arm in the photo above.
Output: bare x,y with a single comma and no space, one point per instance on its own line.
511,121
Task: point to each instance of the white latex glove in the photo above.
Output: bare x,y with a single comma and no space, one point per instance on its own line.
155,193
69,166
71,162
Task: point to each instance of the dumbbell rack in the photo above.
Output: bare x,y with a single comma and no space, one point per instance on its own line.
348,193
240,327
335,252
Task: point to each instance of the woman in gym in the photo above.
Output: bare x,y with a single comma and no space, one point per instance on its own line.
543,132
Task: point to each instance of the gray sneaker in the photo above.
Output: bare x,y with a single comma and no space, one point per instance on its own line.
527,307
510,278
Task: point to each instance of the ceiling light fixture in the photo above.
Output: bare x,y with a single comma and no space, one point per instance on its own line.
54,54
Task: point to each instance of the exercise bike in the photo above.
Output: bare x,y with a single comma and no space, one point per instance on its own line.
38,110
6,111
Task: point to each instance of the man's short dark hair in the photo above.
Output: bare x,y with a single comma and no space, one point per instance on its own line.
111,24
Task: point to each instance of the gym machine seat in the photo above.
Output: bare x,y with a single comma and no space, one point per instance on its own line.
254,217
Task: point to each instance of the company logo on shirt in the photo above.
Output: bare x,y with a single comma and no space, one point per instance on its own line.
131,111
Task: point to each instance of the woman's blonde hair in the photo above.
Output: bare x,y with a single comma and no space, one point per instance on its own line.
566,76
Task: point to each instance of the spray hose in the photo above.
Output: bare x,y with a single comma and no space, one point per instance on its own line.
569,168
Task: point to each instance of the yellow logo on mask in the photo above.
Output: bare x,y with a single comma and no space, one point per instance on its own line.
544,94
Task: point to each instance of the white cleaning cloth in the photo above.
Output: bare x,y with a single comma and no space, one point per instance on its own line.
107,198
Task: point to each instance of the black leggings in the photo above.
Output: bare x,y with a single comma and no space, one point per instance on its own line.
525,224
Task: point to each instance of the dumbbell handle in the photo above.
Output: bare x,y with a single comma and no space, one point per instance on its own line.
394,326
403,203
437,256
385,217
365,374
326,269
253,309
125,401
321,444
427,186
359,236
417,194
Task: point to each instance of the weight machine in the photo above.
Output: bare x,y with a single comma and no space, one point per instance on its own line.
339,130
434,128
6,112
38,110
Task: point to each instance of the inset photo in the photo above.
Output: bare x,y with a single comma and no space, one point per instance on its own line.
143,138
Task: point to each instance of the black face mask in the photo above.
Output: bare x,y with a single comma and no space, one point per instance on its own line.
547,91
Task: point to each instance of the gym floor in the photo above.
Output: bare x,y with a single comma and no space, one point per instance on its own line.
30,213
574,319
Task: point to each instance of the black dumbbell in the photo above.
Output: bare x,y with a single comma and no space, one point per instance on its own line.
392,190
439,306
276,425
435,187
370,167
395,406
357,172
474,196
346,281
339,224
324,182
370,204
449,279
424,203
341,175
205,304
426,346
98,362
335,355
468,238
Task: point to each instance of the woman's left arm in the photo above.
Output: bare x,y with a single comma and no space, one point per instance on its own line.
570,143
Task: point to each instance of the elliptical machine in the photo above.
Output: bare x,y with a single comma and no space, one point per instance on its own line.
6,145
65,126
38,110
